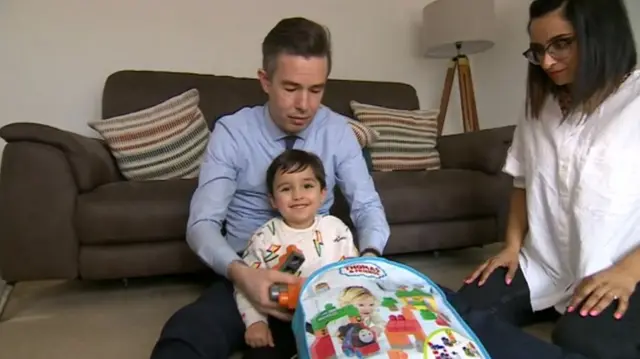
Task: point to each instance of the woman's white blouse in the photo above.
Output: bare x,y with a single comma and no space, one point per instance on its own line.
582,181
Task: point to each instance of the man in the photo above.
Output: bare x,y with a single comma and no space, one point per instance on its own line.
232,187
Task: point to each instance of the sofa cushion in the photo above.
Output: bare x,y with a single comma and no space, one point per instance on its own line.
364,134
406,140
165,141
428,196
129,211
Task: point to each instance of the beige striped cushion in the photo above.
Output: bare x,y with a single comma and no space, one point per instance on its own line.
407,139
365,134
166,141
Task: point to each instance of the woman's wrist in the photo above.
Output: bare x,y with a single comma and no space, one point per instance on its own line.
630,265
513,244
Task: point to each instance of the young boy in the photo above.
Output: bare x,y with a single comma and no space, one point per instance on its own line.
297,188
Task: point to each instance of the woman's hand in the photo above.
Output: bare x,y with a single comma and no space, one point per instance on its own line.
599,290
507,258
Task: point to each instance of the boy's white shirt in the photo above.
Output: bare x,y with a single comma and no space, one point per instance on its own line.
327,241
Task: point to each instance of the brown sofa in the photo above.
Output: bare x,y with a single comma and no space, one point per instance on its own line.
67,212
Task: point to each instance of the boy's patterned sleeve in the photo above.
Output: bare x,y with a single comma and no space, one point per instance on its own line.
253,257
343,240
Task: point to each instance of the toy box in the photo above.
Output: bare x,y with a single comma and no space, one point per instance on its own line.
375,308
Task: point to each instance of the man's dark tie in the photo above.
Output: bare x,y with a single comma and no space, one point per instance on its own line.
289,141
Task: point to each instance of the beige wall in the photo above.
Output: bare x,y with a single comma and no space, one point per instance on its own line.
56,54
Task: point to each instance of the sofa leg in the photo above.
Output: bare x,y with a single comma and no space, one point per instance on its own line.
4,297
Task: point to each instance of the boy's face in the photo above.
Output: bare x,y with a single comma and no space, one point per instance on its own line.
297,196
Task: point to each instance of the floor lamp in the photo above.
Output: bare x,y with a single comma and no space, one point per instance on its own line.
453,29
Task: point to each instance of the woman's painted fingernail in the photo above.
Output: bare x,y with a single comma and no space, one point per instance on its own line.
583,313
593,313
570,309
508,281
618,315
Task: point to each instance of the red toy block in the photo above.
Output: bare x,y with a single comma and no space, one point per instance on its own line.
323,348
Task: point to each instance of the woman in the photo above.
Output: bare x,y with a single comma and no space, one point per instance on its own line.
572,245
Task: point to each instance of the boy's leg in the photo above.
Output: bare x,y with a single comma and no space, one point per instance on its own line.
209,328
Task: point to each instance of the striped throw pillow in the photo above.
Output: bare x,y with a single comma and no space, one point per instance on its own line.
407,139
166,141
365,134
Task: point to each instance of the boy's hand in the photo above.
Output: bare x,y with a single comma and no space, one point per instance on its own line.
258,335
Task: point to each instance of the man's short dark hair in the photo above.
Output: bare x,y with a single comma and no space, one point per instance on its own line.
293,161
295,36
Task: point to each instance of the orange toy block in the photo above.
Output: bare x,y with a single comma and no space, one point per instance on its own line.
398,340
289,298
397,354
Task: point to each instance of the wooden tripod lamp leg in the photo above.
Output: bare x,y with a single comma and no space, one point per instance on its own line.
467,96
446,94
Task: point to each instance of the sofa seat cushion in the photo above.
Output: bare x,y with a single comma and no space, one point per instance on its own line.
427,196
135,211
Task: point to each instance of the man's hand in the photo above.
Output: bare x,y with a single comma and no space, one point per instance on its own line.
596,292
255,283
258,335
370,252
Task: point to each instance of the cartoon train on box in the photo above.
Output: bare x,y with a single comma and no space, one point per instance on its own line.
357,339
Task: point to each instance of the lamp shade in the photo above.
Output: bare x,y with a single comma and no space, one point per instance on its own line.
470,23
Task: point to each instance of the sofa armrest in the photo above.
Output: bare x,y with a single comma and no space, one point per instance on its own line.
38,196
483,150
90,160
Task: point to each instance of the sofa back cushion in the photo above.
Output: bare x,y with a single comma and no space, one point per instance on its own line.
131,90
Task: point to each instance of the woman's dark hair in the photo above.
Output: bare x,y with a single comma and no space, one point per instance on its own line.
606,53
295,36
293,161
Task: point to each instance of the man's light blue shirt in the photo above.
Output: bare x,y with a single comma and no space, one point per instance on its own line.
232,182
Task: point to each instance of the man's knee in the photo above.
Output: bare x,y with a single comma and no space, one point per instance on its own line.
193,334
210,327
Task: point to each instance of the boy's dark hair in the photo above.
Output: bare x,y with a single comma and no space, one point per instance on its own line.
292,161
295,36
606,53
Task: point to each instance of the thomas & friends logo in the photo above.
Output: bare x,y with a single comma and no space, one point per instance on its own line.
363,270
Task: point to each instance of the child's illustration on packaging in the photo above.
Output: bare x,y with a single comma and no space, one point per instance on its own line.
374,308
366,304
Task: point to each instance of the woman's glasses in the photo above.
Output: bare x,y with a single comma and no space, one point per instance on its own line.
559,48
